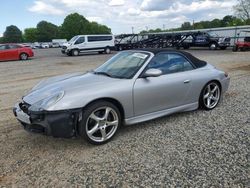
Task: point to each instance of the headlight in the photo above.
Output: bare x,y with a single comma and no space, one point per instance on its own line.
47,102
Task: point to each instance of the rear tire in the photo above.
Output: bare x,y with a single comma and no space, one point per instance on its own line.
24,56
100,122
210,96
107,50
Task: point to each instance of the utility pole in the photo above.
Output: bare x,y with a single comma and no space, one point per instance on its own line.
163,27
132,30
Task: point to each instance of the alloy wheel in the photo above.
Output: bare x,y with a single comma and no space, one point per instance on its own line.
102,124
211,95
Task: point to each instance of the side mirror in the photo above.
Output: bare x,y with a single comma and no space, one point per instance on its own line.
152,73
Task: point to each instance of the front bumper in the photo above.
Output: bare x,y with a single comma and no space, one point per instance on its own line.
53,123
224,44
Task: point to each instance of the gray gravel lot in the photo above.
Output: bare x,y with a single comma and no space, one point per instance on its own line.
193,149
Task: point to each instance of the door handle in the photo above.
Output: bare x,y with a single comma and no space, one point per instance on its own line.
186,81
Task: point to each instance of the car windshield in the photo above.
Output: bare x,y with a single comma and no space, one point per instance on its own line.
73,39
212,34
123,65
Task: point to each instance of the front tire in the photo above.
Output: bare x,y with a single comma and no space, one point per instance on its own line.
100,122
213,46
210,96
75,52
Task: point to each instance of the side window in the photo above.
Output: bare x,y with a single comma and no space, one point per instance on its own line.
170,63
2,47
80,40
13,46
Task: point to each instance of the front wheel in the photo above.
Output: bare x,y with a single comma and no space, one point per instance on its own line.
75,52
213,46
100,122
210,96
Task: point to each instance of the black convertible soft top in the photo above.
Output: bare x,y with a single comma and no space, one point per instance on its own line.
196,62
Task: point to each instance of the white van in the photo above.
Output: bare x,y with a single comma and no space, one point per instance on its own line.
89,43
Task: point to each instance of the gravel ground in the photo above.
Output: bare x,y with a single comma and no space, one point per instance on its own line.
193,149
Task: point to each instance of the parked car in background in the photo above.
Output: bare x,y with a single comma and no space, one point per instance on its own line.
55,45
44,45
206,39
132,87
59,41
244,44
89,43
15,52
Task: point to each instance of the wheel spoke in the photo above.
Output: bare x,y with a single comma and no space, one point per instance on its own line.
206,96
103,132
111,123
94,117
209,88
93,130
215,88
107,110
214,98
208,102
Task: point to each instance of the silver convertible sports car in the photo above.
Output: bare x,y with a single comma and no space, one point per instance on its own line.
132,87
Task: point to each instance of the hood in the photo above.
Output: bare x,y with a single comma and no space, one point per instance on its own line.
67,83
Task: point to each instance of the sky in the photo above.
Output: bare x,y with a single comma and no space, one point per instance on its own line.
120,15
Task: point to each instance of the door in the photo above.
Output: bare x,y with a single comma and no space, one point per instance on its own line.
169,90
3,52
12,53
81,43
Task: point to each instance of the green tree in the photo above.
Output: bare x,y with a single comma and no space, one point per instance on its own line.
75,24
96,28
12,34
46,31
30,35
242,9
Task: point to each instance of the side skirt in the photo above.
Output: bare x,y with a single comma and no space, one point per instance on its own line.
153,115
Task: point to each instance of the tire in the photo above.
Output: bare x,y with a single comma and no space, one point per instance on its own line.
100,122
223,47
100,52
24,56
75,52
210,98
235,48
213,46
107,50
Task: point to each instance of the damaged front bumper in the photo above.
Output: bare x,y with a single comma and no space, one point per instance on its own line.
54,123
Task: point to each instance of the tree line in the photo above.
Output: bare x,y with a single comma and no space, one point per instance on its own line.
241,10
227,21
74,24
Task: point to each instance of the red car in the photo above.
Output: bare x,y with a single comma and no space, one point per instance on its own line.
242,45
14,52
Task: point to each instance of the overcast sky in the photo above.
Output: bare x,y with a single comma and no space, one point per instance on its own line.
119,15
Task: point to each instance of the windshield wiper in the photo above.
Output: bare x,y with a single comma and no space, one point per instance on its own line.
103,73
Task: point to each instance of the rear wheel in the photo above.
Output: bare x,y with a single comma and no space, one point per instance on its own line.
24,56
100,122
210,96
75,52
107,50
